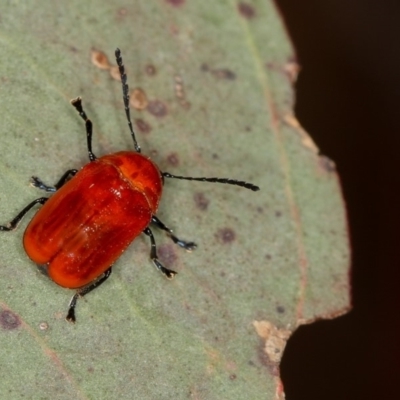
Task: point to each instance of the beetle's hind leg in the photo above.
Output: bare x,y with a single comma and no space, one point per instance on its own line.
169,273
84,291
189,246
38,183
15,221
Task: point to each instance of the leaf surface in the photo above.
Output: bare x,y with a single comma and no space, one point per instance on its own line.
218,80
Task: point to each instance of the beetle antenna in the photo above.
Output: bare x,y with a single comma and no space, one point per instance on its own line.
125,95
218,180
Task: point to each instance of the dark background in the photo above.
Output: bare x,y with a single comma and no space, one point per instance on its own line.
348,99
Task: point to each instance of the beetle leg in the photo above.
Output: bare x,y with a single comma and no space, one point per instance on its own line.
189,246
38,183
77,103
169,273
14,222
84,291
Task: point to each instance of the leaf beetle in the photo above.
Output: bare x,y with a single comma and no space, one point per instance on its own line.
95,213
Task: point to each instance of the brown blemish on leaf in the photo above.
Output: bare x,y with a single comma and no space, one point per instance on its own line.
100,60
138,99
114,73
9,321
305,138
180,92
157,108
232,377
174,29
201,201
275,340
226,235
167,254
246,10
175,3
142,125
292,69
150,70
173,159
278,213
122,12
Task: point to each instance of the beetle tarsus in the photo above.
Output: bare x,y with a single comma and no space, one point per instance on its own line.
15,221
38,183
169,273
188,246
84,291
77,103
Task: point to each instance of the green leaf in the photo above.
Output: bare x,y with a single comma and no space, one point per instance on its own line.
218,76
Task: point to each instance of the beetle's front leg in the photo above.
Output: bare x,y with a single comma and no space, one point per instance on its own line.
38,183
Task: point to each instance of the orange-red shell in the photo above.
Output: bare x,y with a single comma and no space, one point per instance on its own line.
86,225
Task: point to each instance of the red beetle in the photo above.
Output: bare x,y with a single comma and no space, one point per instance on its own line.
97,212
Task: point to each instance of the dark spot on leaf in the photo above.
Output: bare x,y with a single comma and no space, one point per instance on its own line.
167,254
157,108
246,10
278,213
220,73
232,377
214,156
224,73
9,320
201,201
226,235
142,125
280,309
260,210
173,159
268,256
150,70
247,128
175,3
90,370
